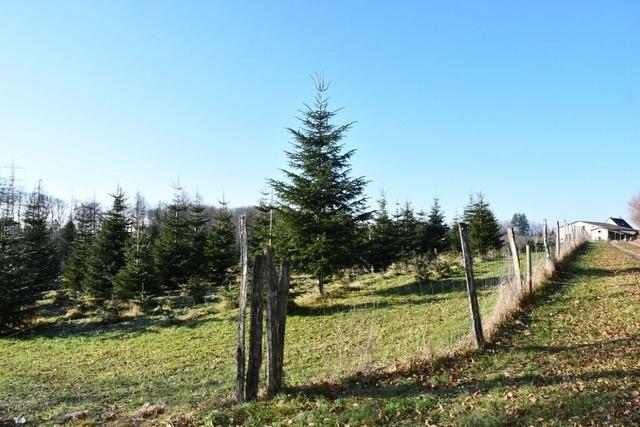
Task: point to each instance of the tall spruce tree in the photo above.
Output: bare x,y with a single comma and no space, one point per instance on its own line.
17,302
65,241
408,231
221,250
199,228
454,234
136,277
382,247
106,256
173,247
484,230
38,245
74,273
435,233
320,205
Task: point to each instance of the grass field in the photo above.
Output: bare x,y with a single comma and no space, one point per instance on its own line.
187,362
570,358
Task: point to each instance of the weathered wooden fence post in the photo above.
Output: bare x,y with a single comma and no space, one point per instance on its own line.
529,270
261,275
471,287
545,238
240,357
276,318
557,241
283,300
515,257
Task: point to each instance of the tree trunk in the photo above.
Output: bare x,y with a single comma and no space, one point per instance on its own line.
321,283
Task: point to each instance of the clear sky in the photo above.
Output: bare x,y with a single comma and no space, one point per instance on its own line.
536,104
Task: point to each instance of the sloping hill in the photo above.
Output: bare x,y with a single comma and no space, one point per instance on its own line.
571,358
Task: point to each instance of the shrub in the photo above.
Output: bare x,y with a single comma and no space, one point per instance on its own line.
425,268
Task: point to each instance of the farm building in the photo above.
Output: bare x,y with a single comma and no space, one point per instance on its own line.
612,229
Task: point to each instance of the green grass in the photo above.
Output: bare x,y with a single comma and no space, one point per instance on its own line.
111,370
570,358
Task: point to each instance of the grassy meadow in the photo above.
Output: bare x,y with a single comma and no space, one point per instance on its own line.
186,360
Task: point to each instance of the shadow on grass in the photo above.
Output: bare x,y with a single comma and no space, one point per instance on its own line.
110,330
436,287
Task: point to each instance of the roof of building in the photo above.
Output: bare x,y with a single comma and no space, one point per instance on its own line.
621,222
612,227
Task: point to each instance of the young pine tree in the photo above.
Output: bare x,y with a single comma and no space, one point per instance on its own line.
199,227
173,247
106,256
408,231
382,247
75,269
38,246
65,241
136,277
320,205
484,230
454,235
221,250
16,302
435,233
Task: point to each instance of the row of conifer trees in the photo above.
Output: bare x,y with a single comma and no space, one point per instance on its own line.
130,251
123,254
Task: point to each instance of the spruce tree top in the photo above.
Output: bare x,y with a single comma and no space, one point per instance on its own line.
319,200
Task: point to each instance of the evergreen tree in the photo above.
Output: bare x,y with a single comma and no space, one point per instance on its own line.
320,204
484,230
454,235
137,275
382,248
38,246
469,209
221,250
17,302
261,233
520,222
106,256
199,227
75,270
408,231
172,248
435,234
65,241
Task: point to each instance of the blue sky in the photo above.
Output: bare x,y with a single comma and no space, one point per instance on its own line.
536,104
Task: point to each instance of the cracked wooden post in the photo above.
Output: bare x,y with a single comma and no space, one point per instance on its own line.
515,256
557,241
529,270
276,318
260,276
283,300
240,356
471,287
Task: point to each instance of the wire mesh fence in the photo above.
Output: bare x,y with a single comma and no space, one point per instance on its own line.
395,317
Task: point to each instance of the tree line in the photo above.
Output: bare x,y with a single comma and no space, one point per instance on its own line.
319,219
